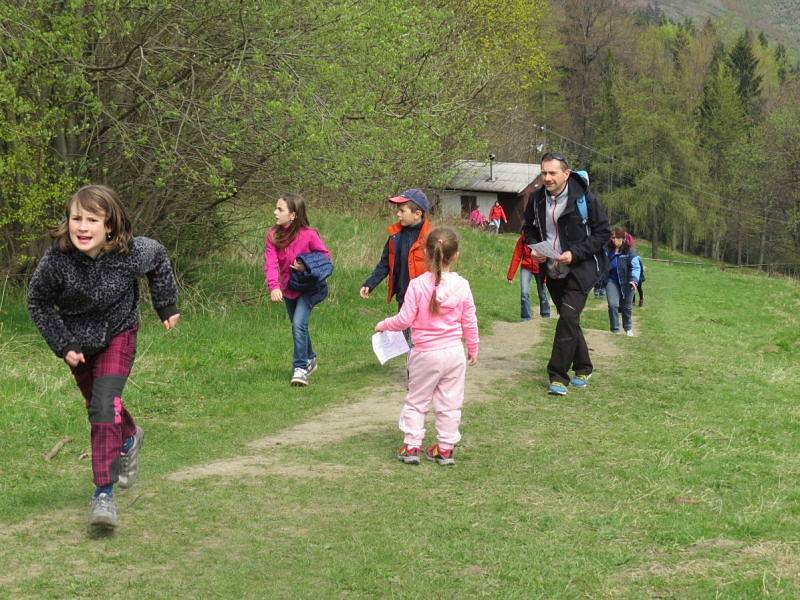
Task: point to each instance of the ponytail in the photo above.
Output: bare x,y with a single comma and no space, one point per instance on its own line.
436,269
441,247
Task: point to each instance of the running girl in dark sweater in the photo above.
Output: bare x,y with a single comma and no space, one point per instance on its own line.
83,297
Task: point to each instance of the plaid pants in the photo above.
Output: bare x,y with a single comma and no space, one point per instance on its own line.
101,380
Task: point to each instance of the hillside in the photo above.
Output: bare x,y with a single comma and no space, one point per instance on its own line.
674,475
778,19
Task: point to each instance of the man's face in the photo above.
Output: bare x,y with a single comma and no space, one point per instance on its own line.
554,176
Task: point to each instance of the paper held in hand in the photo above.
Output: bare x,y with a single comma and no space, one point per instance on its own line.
388,344
545,249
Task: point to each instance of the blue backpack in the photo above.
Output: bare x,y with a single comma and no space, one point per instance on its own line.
582,204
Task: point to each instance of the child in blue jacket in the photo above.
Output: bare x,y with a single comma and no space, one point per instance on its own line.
624,268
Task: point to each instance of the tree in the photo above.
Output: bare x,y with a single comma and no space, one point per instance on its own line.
744,66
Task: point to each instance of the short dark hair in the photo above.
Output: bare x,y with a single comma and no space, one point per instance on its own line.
555,156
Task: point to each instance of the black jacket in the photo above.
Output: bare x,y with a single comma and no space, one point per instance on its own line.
79,303
585,241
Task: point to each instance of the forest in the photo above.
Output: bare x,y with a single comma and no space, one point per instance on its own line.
201,112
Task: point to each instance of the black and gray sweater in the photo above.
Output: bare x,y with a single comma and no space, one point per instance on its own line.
79,303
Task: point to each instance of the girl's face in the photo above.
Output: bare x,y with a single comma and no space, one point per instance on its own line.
617,242
283,216
87,230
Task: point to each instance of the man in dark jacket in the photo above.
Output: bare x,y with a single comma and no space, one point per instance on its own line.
575,245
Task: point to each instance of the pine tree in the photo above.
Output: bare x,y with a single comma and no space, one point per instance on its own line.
744,66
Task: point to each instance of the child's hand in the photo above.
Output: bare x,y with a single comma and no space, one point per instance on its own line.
510,281
472,360
539,258
276,295
364,292
73,359
171,322
298,265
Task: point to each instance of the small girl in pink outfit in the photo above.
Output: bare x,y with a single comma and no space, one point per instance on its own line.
439,309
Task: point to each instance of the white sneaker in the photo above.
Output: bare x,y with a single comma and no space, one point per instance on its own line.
629,333
103,512
300,377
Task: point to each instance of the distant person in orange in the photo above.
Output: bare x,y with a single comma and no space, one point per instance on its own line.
496,213
530,269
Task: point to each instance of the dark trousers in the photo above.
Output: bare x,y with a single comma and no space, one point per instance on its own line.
569,346
101,380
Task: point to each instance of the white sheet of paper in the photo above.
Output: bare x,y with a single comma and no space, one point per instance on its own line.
388,344
545,249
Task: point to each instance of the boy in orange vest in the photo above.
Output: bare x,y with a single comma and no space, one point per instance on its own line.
403,256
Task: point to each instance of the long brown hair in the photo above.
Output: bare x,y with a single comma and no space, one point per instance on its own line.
97,199
441,248
283,236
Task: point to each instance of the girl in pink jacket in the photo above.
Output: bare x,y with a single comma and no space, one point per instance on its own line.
290,237
440,311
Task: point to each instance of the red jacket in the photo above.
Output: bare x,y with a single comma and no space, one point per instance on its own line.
497,212
417,263
522,254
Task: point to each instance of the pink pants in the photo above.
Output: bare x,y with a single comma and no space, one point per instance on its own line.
101,380
434,376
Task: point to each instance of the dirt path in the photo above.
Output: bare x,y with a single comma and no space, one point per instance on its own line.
501,357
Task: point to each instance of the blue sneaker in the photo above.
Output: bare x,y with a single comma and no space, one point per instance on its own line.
557,389
580,381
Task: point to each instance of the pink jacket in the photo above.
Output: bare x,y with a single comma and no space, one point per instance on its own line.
456,317
277,261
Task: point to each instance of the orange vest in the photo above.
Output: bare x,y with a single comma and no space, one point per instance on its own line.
417,262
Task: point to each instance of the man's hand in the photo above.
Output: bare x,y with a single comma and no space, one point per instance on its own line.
565,258
171,322
364,292
276,295
73,359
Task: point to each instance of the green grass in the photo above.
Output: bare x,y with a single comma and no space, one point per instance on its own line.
673,475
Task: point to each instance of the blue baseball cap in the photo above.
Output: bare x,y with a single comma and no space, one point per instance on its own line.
414,195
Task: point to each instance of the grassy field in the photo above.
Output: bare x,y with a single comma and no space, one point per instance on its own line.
673,475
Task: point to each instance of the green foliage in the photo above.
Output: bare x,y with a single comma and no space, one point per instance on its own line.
188,109
744,66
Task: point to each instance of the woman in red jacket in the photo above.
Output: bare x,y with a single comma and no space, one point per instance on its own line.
529,270
495,214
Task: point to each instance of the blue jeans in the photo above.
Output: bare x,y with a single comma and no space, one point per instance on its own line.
299,310
525,277
617,304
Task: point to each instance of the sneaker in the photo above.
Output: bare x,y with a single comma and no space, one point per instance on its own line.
629,333
557,389
103,512
408,454
580,381
300,377
311,366
129,461
443,457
